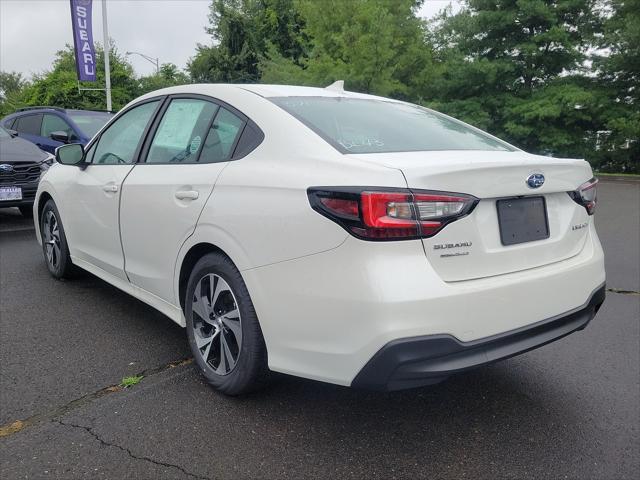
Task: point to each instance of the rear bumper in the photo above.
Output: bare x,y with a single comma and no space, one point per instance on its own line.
340,307
418,361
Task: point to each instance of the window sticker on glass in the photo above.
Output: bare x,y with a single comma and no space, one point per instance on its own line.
195,144
179,136
175,132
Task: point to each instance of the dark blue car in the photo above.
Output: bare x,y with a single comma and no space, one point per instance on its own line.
50,127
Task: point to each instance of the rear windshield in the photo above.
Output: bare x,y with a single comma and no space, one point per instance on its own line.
377,126
89,122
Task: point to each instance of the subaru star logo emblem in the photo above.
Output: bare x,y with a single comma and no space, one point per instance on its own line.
6,168
535,180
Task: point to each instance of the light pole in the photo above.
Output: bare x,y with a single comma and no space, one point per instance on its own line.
155,61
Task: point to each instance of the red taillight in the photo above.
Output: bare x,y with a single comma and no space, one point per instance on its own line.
398,214
348,208
379,219
586,195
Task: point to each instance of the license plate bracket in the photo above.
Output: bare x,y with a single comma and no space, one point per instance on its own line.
522,220
10,193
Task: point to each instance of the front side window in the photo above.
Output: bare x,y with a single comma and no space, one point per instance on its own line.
118,144
29,124
218,146
355,125
88,156
53,123
182,130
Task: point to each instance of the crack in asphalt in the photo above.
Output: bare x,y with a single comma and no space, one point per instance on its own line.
60,411
622,292
102,441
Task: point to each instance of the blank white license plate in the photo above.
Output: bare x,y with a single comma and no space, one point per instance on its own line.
10,193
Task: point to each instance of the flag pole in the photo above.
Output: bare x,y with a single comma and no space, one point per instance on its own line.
107,69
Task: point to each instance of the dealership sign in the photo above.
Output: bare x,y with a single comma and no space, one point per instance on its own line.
83,40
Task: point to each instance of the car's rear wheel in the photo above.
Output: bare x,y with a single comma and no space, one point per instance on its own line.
222,327
54,242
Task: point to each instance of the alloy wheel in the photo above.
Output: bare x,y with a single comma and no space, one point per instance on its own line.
217,325
51,232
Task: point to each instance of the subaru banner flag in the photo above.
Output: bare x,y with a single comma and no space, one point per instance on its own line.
83,40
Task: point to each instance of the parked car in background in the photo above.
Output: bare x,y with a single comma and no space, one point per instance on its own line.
50,127
328,234
21,164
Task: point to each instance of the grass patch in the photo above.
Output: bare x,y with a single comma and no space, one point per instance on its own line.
131,381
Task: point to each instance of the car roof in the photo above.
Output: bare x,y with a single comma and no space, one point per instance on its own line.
263,90
298,91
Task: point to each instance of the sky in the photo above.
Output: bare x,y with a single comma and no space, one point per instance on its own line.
31,31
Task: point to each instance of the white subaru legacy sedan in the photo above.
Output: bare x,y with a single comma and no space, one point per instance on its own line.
336,236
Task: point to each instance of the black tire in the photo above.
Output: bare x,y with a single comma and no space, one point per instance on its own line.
250,370
59,264
26,211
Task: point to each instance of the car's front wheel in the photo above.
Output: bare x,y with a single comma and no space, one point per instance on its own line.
222,327
54,242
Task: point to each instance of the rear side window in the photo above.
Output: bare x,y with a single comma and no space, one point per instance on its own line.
29,124
119,143
249,139
354,125
53,123
218,146
181,133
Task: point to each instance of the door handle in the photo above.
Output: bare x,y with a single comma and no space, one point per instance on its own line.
187,194
110,188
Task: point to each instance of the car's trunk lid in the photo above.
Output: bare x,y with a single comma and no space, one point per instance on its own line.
472,247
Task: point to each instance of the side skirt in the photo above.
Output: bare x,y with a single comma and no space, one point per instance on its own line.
166,308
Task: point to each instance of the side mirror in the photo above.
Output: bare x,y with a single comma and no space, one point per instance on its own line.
13,133
72,154
59,136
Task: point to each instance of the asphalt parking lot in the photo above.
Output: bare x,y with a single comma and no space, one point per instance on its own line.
568,410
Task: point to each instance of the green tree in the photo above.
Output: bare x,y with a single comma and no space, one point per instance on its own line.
233,57
375,46
168,76
556,119
11,86
242,31
618,67
514,67
59,86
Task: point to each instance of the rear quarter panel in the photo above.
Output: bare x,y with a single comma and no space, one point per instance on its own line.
259,207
